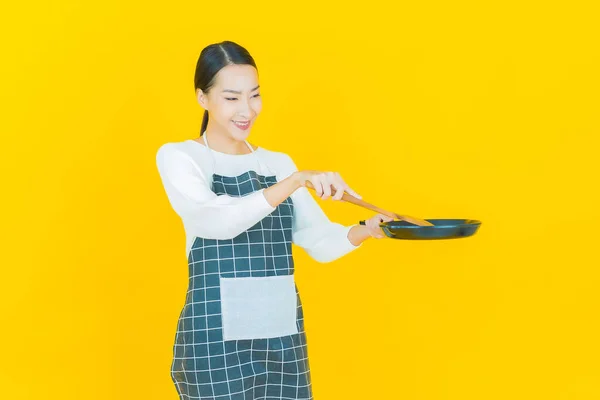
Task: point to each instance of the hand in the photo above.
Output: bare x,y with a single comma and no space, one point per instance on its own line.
372,225
325,183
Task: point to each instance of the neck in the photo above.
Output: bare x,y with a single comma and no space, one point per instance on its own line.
224,144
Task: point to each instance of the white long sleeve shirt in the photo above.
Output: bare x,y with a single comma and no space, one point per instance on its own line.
186,170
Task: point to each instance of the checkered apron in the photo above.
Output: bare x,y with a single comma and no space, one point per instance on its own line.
208,365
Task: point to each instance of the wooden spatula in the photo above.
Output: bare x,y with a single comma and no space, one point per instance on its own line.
361,203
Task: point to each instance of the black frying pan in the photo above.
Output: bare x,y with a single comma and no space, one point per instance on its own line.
441,229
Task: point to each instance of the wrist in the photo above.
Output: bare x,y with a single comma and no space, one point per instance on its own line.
358,234
297,179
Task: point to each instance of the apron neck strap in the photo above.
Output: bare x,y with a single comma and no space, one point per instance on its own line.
206,143
260,164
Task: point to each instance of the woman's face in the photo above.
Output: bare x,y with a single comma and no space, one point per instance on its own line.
234,102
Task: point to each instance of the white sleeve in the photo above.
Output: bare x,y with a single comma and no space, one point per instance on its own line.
204,213
323,240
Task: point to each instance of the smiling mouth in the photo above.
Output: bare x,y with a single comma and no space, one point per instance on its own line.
242,125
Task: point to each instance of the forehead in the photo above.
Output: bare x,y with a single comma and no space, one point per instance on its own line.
237,77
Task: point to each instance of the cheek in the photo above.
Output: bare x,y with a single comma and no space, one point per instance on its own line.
226,110
257,105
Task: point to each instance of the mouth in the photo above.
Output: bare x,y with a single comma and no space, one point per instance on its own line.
243,125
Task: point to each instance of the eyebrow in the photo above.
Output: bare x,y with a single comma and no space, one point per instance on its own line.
236,92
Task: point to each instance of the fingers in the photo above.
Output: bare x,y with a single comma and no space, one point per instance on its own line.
373,225
316,182
340,186
331,184
327,182
379,235
339,192
353,193
347,188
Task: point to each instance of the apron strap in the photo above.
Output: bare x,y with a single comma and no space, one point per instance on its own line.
258,160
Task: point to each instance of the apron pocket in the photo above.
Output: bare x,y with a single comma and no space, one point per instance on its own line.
258,307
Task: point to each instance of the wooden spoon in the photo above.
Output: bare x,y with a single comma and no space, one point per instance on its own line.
361,203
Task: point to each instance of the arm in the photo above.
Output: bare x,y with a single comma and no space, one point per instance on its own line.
358,234
323,240
204,213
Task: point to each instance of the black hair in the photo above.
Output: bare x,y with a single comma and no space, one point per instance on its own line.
212,59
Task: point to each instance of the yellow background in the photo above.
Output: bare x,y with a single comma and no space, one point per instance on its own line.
438,110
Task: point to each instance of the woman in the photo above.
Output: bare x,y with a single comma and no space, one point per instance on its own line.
240,334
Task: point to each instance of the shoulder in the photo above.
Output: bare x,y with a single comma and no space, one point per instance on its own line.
184,148
171,153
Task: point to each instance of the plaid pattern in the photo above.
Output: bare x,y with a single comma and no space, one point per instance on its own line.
204,365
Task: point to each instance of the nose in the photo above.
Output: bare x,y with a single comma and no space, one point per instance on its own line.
245,110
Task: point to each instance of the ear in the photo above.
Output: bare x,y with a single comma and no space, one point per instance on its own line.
201,97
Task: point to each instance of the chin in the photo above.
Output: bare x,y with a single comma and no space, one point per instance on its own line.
240,135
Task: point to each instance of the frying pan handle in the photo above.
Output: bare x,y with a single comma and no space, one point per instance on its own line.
363,223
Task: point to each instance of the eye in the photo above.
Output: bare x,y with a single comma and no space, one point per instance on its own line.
235,98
